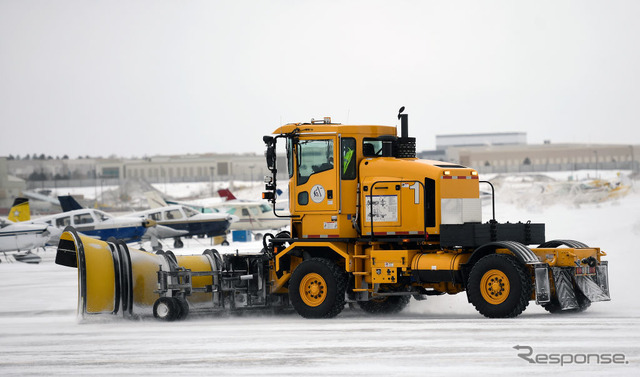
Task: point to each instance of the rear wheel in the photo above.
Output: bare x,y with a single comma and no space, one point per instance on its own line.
166,309
183,305
385,305
317,288
499,286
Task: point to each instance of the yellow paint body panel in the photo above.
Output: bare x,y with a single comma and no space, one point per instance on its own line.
144,267
565,257
96,274
100,277
197,263
459,188
447,261
384,265
340,248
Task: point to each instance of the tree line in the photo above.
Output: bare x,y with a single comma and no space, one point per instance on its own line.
42,157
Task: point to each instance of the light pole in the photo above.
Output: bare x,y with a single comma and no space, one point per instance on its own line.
212,169
596,153
251,169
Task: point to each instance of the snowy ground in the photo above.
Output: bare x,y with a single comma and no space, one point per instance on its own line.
40,334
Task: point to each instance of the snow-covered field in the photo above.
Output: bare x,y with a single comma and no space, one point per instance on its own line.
40,334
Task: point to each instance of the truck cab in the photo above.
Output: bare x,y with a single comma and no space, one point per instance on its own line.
348,182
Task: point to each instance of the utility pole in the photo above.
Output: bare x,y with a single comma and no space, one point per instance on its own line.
212,169
251,169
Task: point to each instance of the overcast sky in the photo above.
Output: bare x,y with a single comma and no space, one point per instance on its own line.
135,78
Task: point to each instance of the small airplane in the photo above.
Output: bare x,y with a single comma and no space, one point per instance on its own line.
153,232
18,237
185,218
253,215
93,223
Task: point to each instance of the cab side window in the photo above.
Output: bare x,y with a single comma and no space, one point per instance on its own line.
371,148
348,158
314,156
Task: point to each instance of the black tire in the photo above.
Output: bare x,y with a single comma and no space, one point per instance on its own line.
183,305
225,243
323,288
499,286
554,307
177,243
386,305
166,309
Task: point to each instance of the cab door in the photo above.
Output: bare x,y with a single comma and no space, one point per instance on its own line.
316,175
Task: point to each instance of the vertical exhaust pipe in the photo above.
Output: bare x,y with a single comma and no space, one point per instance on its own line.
405,146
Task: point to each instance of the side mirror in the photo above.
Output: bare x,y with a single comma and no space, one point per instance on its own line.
270,153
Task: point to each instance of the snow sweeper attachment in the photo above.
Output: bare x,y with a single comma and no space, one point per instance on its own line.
118,280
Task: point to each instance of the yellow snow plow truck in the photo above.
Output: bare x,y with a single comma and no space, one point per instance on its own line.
370,225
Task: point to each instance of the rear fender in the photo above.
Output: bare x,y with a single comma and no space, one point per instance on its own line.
314,249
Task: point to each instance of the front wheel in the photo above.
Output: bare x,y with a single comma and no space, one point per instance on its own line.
317,288
499,286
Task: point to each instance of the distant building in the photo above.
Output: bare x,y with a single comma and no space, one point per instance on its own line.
10,187
509,152
546,157
156,169
444,142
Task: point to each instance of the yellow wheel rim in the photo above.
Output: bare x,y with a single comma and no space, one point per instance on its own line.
495,287
313,289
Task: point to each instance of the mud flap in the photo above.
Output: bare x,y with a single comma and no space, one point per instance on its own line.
543,289
564,288
595,288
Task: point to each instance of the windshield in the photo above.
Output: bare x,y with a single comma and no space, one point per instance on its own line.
102,215
190,211
265,208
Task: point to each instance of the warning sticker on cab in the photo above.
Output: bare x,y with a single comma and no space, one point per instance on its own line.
385,208
331,225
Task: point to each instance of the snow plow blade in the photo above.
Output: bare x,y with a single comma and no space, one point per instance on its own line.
118,280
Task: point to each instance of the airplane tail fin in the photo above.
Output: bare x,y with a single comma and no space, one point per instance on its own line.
20,210
155,200
226,193
68,203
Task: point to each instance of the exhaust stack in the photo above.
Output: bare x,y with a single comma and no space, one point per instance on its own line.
405,146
